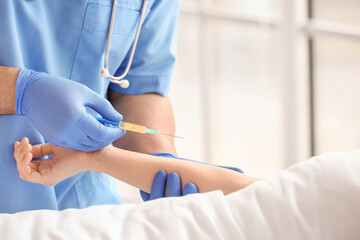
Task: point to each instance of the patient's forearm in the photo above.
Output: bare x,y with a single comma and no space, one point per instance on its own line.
139,170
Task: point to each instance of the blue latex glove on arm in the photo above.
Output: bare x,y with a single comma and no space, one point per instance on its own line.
172,182
57,108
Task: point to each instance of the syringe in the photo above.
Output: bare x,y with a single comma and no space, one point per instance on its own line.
131,127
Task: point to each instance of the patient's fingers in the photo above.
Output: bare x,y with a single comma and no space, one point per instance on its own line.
42,150
16,149
29,170
16,156
24,148
24,165
26,160
32,175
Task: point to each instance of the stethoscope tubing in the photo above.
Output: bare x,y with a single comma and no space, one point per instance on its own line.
105,72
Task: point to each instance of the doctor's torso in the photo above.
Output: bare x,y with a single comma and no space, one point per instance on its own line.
65,38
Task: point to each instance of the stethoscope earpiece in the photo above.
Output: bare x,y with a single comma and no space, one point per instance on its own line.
124,83
104,73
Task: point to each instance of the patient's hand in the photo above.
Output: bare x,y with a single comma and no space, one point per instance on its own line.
63,164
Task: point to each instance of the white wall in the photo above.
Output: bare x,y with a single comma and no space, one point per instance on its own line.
241,86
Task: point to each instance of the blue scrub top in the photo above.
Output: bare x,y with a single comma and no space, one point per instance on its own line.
67,38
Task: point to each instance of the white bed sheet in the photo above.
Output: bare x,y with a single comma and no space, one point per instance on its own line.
315,199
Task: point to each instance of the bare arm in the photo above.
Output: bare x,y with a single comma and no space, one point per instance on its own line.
139,170
8,76
151,110
133,168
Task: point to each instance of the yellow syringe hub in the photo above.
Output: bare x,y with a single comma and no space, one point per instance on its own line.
132,127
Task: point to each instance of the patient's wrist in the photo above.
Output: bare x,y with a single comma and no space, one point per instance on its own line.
97,159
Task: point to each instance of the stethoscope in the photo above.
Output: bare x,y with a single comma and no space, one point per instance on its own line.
105,71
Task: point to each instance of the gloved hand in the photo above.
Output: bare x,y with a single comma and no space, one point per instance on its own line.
172,182
57,108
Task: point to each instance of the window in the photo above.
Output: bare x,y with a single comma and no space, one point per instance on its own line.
227,90
336,75
263,84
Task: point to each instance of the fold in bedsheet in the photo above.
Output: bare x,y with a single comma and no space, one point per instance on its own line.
315,199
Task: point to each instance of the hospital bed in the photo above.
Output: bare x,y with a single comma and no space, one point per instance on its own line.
315,199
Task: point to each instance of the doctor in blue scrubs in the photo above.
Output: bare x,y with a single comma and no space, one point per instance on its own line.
51,53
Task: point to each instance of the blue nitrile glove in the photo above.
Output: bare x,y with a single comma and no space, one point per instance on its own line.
172,182
57,108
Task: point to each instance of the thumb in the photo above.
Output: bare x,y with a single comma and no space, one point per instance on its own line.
42,150
104,108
